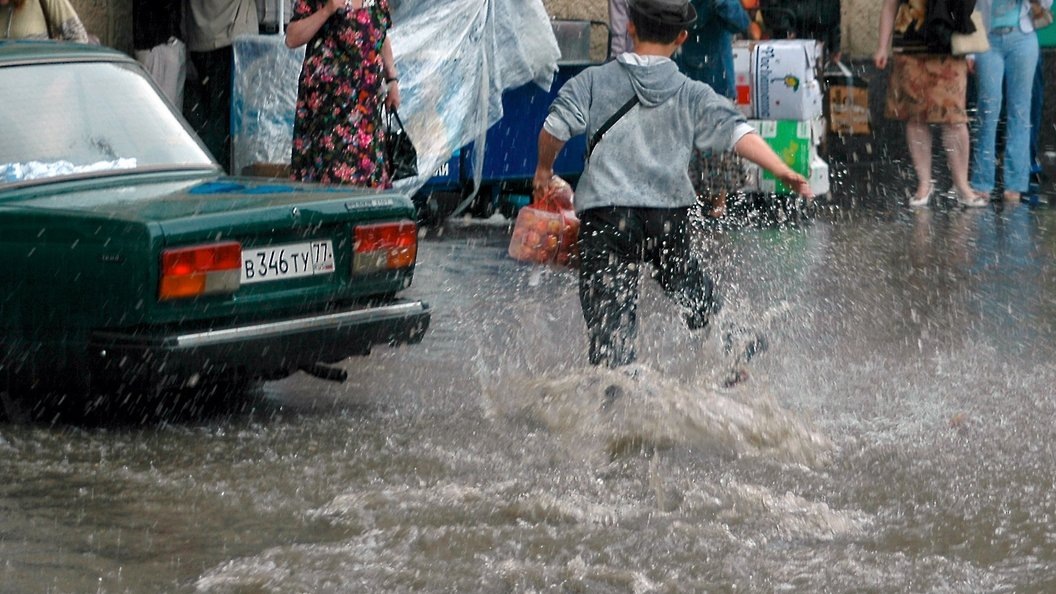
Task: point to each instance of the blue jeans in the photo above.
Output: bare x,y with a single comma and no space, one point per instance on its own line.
1005,72
1036,106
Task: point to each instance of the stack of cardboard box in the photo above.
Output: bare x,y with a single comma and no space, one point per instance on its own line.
779,90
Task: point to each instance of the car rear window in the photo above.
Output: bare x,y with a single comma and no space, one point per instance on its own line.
58,120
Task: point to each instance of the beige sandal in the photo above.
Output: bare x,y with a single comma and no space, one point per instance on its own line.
973,200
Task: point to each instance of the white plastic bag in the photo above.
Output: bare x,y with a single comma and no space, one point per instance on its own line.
167,65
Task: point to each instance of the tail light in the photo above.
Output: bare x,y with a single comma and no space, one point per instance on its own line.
200,270
385,246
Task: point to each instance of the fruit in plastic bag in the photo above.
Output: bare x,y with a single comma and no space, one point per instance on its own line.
560,192
546,232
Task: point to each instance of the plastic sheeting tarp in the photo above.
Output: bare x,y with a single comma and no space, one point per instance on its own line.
262,100
455,59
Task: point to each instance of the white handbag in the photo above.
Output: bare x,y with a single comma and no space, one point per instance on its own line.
962,44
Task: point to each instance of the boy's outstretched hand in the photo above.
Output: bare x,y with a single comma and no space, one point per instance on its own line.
797,182
755,149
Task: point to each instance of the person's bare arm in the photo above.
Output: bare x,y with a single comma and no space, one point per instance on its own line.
752,147
303,30
549,147
887,27
392,77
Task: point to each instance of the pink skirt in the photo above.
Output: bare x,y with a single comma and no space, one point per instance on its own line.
928,89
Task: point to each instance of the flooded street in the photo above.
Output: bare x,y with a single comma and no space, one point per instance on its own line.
897,436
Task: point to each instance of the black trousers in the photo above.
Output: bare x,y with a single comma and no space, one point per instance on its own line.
614,242
207,101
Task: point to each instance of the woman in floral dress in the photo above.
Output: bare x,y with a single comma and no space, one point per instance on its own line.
925,88
338,134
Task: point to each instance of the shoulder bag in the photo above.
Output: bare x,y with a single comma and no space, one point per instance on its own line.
400,155
596,138
976,42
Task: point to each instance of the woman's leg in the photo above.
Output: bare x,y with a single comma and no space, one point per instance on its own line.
918,139
955,143
989,77
1020,63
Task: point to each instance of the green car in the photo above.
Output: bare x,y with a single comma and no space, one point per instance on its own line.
131,260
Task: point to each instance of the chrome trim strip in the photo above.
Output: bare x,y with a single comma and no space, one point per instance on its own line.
215,337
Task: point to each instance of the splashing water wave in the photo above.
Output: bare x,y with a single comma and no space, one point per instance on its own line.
637,408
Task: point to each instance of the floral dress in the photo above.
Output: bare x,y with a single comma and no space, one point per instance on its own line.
338,135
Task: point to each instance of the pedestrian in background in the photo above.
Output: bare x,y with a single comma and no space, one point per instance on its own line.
924,89
1005,75
157,45
619,39
40,19
634,197
348,73
707,56
210,27
805,19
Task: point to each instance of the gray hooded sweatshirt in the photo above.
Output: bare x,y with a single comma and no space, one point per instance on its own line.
643,160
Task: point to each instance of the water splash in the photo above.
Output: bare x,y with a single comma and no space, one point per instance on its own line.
636,408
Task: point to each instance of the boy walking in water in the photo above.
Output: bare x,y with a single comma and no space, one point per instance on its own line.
634,197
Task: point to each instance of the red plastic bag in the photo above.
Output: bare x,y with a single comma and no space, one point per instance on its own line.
546,232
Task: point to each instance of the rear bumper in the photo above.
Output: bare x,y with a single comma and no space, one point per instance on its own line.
265,350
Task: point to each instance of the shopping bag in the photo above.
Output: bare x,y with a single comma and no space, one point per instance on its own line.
400,155
846,100
167,65
546,231
976,42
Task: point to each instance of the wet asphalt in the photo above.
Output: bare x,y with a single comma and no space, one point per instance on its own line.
895,436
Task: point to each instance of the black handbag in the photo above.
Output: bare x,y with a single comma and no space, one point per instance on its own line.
400,155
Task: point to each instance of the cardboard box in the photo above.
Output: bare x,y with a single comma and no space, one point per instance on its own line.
847,102
784,80
795,141
819,177
742,76
818,129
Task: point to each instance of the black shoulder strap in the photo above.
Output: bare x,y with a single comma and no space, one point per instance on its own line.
594,140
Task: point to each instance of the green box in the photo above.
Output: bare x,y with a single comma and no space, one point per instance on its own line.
795,141
1047,36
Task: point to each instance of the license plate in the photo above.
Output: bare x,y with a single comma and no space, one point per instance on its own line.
278,262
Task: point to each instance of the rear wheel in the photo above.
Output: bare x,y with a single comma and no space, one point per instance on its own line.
34,393
117,403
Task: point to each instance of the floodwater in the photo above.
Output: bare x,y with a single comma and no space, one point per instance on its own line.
897,436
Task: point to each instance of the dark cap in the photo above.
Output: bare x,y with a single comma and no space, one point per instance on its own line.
674,13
